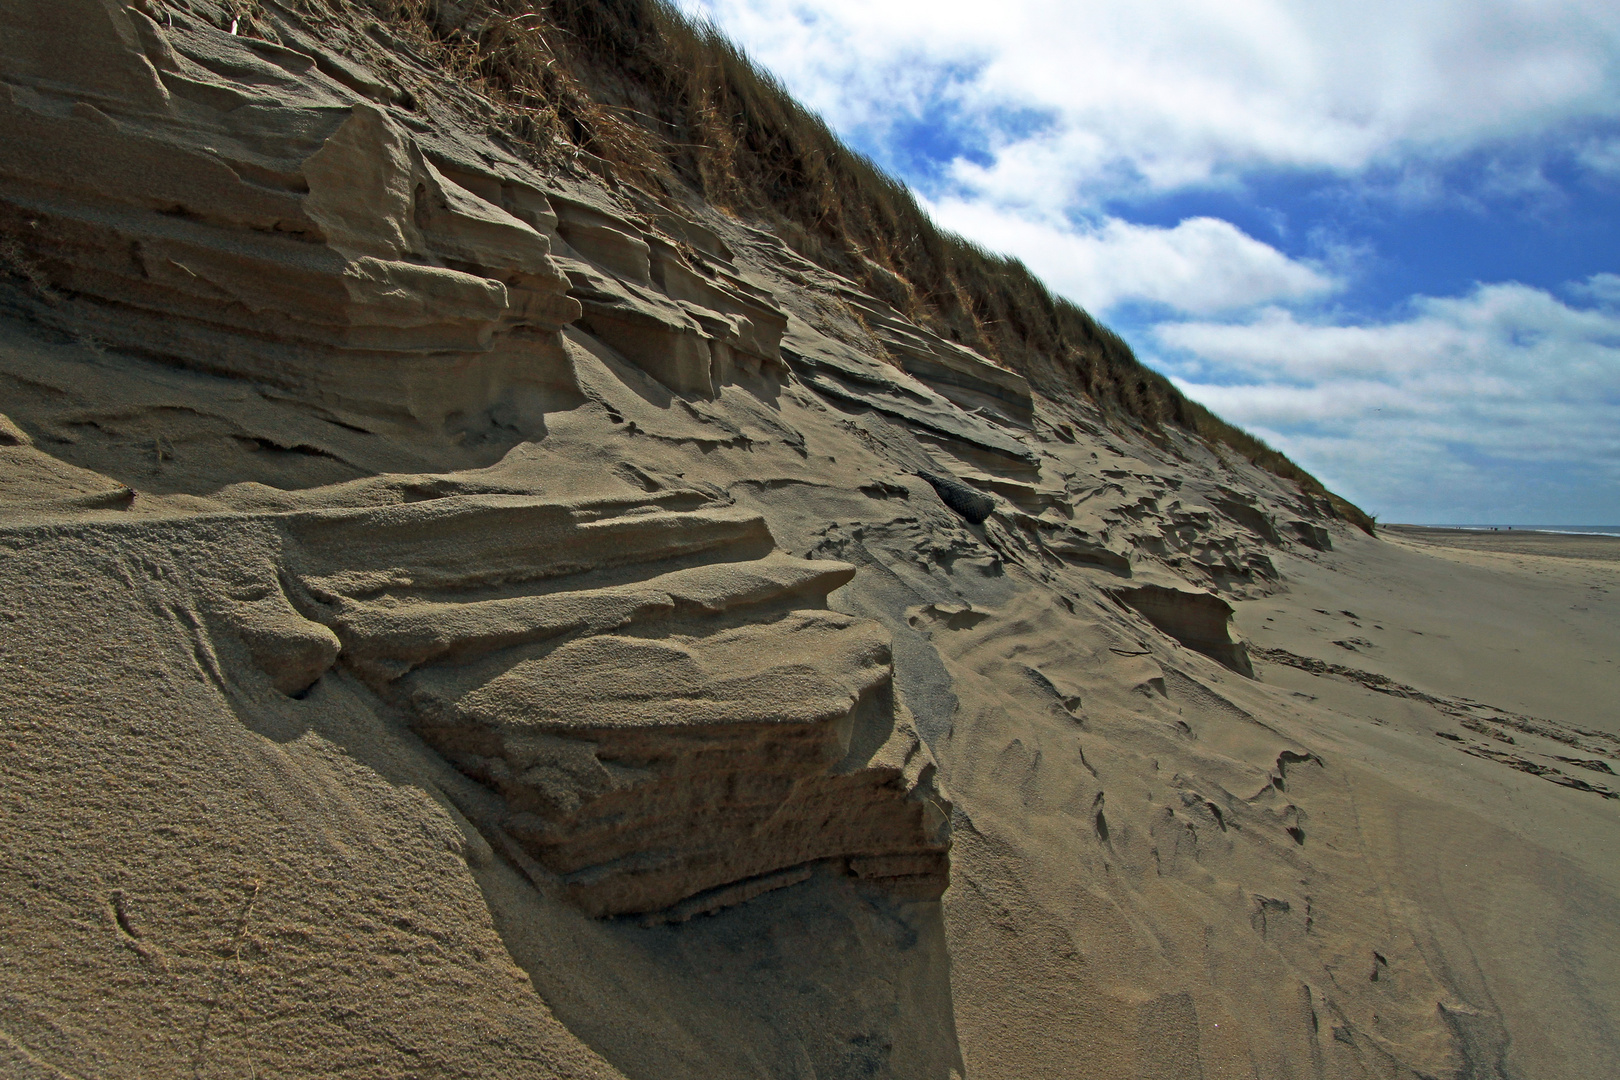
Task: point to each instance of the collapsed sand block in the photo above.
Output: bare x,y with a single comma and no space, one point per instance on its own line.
1199,620
657,337
648,773
290,649
1312,535
604,239
688,320
660,697
750,320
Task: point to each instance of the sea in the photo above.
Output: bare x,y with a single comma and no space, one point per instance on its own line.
1577,530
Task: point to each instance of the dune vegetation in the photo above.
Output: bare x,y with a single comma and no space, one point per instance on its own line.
635,92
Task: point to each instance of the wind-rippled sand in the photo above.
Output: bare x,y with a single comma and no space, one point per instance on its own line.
464,621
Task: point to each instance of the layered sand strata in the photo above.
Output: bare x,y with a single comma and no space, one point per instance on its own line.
466,620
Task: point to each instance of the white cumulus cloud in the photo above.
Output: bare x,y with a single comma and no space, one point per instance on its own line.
1490,400
1201,266
1045,122
1160,94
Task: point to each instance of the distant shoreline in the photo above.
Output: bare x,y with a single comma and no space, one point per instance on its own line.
1562,530
1559,543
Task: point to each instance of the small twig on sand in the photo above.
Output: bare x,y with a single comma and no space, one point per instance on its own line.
219,982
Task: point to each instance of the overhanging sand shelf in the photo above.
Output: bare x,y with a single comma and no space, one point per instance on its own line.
433,585
645,686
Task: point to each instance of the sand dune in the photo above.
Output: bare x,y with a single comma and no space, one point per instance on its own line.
455,622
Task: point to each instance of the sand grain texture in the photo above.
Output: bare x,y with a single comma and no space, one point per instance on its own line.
455,621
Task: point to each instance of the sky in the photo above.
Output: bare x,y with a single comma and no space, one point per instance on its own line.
1383,236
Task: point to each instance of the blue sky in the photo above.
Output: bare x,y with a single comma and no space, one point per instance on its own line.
1383,236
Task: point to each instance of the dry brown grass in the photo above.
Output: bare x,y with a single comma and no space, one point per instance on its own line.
637,93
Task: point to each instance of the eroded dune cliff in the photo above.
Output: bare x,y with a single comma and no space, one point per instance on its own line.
469,619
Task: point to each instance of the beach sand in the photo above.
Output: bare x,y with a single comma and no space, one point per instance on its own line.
1600,546
1389,852
459,620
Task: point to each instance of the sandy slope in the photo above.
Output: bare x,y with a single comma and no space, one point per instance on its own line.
208,874
1514,657
1425,852
581,641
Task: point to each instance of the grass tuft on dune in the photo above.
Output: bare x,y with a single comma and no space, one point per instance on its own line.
635,92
